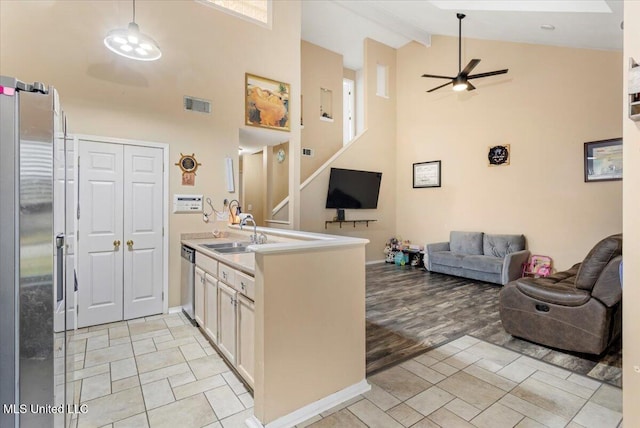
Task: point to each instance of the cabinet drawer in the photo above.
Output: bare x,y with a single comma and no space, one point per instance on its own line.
245,284
207,264
227,274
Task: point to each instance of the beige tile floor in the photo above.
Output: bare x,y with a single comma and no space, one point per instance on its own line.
162,372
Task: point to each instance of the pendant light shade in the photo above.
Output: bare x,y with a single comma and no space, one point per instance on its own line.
131,43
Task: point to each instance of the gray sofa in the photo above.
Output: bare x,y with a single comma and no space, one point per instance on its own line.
477,255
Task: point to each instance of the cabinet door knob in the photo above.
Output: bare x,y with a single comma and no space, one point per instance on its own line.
130,243
243,285
116,244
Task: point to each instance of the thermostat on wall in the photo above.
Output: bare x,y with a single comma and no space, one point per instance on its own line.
187,203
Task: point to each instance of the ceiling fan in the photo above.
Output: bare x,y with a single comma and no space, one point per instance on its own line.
461,81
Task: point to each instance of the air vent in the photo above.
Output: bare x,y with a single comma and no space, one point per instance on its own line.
307,152
196,104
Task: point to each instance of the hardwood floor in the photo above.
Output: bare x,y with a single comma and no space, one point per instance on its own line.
410,311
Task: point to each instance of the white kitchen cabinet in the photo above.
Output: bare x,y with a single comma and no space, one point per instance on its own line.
225,311
227,298
227,274
207,264
199,302
246,335
245,284
211,307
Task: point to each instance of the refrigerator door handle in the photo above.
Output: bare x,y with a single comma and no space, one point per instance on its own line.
60,267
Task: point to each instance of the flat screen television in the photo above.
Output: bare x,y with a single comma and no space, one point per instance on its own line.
353,189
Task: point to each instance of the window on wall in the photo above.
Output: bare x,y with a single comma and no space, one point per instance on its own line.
258,11
382,80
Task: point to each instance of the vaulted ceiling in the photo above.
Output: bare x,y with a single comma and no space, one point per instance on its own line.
342,25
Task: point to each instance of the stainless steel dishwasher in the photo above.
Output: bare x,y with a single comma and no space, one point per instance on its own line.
187,280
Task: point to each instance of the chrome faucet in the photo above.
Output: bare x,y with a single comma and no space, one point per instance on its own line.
243,222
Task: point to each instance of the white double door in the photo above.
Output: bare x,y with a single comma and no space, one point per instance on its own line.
120,245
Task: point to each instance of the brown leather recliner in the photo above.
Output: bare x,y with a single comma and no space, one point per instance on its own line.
576,310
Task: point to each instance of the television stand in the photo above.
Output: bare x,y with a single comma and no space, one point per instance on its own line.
347,221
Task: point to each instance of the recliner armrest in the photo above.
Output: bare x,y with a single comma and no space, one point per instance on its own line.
432,248
607,288
512,265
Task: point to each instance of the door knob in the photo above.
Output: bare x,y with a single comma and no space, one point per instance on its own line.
116,243
130,243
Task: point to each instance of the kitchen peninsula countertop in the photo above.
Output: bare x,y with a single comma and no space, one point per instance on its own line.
278,241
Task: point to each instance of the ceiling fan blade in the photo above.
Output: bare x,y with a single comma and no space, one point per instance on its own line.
438,87
472,64
470,87
435,76
487,74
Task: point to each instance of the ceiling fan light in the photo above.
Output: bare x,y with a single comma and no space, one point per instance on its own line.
459,84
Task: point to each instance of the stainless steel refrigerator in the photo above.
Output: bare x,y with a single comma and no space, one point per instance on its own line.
34,377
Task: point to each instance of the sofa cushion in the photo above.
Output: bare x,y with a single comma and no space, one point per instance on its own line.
446,258
483,263
596,260
501,245
466,242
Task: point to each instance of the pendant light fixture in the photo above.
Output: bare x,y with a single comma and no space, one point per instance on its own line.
131,43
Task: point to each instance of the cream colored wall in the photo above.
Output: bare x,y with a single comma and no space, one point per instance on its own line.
205,54
321,68
375,150
551,102
253,194
299,362
280,171
631,250
347,73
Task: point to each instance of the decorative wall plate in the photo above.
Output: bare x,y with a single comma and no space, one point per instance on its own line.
499,155
281,156
188,163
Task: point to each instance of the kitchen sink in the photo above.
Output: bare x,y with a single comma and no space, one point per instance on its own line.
231,250
229,245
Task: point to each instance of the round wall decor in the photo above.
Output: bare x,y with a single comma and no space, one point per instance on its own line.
499,155
188,163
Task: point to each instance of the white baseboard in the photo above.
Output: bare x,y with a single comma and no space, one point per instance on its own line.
374,262
175,310
313,409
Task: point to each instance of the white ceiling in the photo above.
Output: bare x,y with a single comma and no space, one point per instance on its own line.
342,25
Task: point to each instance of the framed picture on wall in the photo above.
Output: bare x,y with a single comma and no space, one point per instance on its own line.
267,103
426,174
603,160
